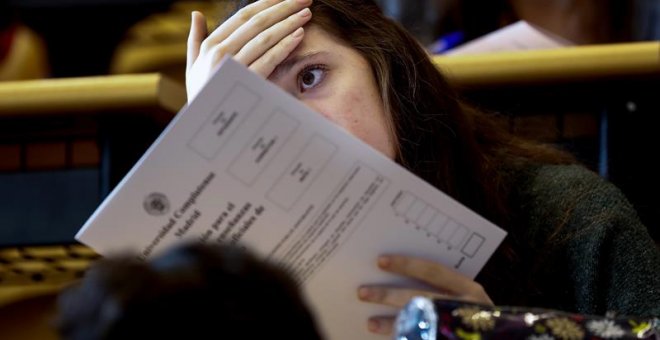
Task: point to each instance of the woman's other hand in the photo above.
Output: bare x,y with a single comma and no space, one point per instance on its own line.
259,36
447,284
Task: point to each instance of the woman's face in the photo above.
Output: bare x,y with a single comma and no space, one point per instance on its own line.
336,81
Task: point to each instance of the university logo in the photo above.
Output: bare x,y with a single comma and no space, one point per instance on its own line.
156,204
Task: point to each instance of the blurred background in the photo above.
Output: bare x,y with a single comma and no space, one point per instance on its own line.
80,37
57,165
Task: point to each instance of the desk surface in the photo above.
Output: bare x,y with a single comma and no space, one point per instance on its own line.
519,67
91,95
117,92
581,63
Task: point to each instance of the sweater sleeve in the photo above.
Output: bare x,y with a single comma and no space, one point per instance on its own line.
608,258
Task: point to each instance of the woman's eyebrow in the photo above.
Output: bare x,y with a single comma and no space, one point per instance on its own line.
292,61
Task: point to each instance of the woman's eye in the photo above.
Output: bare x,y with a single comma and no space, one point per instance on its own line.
310,77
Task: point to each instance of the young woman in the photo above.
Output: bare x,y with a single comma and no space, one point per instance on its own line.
574,241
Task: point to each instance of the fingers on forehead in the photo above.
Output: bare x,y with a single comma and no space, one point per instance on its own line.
246,13
229,26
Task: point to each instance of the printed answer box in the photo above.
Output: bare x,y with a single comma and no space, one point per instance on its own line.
473,245
224,121
302,172
263,147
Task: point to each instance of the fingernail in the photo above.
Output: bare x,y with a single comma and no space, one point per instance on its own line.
305,13
384,261
373,325
363,293
298,33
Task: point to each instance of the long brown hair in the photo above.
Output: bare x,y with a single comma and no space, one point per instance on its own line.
446,142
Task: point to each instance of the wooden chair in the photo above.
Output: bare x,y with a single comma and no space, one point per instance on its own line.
26,58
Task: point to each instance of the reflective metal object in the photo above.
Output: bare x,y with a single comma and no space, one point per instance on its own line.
418,320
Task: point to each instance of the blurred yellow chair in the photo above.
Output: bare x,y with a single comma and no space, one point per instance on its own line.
158,43
27,57
30,281
32,276
30,318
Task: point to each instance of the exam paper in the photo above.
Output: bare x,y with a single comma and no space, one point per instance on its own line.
520,36
246,163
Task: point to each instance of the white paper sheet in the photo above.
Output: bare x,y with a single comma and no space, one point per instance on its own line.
520,36
248,163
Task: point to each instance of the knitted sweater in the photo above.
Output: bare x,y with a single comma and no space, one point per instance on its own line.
600,258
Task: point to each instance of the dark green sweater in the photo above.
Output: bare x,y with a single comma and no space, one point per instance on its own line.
600,259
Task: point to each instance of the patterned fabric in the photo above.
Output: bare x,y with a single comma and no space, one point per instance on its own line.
457,320
460,320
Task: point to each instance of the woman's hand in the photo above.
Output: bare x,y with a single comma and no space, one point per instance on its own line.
448,284
259,36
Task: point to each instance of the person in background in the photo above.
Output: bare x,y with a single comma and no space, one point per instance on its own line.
574,242
192,291
582,22
419,17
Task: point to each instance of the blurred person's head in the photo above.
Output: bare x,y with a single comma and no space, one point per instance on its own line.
189,292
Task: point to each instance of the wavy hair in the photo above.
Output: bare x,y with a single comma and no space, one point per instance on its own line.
456,148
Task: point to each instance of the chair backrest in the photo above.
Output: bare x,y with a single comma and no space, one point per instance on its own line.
24,54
